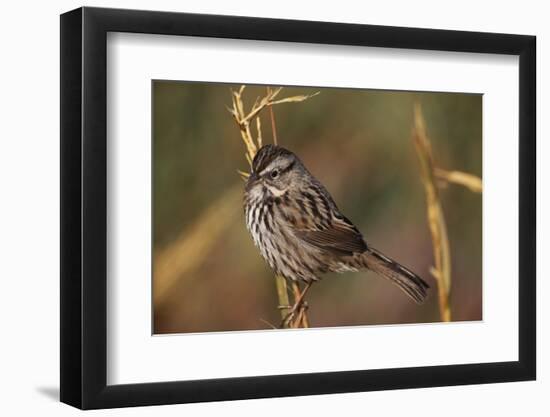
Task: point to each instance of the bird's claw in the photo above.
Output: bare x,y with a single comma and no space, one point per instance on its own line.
302,306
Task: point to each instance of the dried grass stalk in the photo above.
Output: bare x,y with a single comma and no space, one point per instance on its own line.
472,182
436,219
187,252
243,120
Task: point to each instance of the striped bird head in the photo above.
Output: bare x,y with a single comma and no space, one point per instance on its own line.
274,170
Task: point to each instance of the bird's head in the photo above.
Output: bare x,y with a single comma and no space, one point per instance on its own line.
274,170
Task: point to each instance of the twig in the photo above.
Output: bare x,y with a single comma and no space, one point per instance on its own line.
243,120
295,318
186,253
268,323
472,182
282,295
272,116
436,219
301,318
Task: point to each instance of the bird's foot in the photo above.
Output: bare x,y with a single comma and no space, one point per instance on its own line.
296,311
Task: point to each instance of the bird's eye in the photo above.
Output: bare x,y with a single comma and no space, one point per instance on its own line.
275,173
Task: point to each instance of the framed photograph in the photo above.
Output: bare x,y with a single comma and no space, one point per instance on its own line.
258,208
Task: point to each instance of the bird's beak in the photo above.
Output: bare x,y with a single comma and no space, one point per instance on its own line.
252,178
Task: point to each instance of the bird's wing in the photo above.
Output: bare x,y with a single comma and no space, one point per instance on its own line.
340,237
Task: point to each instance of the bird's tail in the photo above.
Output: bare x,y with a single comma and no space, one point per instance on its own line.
414,286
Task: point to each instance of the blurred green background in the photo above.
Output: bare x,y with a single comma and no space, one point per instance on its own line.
208,275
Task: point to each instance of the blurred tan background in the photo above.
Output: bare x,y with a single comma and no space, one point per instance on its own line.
208,276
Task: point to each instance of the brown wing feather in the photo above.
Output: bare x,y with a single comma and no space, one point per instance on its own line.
340,238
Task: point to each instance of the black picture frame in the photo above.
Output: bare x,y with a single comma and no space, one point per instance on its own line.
84,207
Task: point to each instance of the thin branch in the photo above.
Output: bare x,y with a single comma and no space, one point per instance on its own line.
243,120
272,116
472,182
301,318
259,131
282,295
436,219
192,246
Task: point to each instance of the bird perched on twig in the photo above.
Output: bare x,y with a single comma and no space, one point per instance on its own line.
300,231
